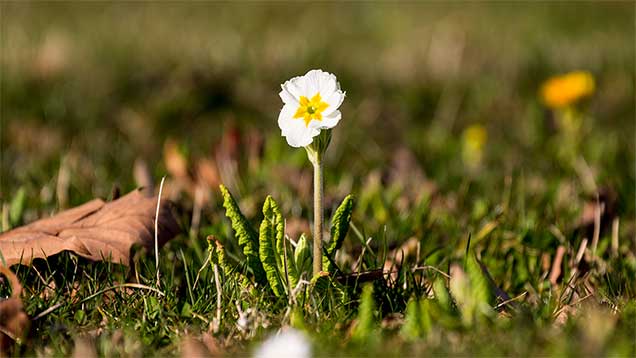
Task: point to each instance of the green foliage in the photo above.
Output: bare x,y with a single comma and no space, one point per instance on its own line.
441,294
479,286
297,319
272,231
302,255
320,283
217,257
365,328
417,319
247,237
282,267
339,228
274,258
17,207
471,292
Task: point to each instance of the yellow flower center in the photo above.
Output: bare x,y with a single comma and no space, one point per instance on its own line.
311,108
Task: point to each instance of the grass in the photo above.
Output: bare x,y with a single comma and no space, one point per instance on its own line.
87,89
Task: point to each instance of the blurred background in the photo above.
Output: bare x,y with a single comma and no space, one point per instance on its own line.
93,92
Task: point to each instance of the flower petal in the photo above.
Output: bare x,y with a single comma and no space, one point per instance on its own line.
294,129
287,97
328,84
327,122
295,87
334,101
312,82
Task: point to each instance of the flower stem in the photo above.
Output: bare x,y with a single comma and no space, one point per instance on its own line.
318,213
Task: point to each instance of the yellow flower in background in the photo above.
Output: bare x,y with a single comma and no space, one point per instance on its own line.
473,141
562,91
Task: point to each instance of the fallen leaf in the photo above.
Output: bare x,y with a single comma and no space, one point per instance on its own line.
95,230
14,323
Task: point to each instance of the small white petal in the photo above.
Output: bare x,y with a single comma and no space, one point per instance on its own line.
300,135
334,101
312,82
328,84
327,122
294,129
295,86
288,97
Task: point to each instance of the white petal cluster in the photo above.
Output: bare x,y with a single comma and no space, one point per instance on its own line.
311,104
287,344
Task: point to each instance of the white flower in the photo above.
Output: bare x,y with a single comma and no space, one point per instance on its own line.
311,104
287,344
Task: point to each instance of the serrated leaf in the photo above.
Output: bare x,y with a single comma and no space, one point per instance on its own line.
217,256
323,285
339,228
271,232
247,237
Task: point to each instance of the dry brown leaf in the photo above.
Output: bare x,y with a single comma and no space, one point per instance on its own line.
95,230
14,323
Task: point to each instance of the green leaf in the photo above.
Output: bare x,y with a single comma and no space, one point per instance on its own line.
417,319
320,284
297,319
302,256
289,264
217,256
339,228
272,232
17,207
479,286
470,291
365,327
247,237
441,294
